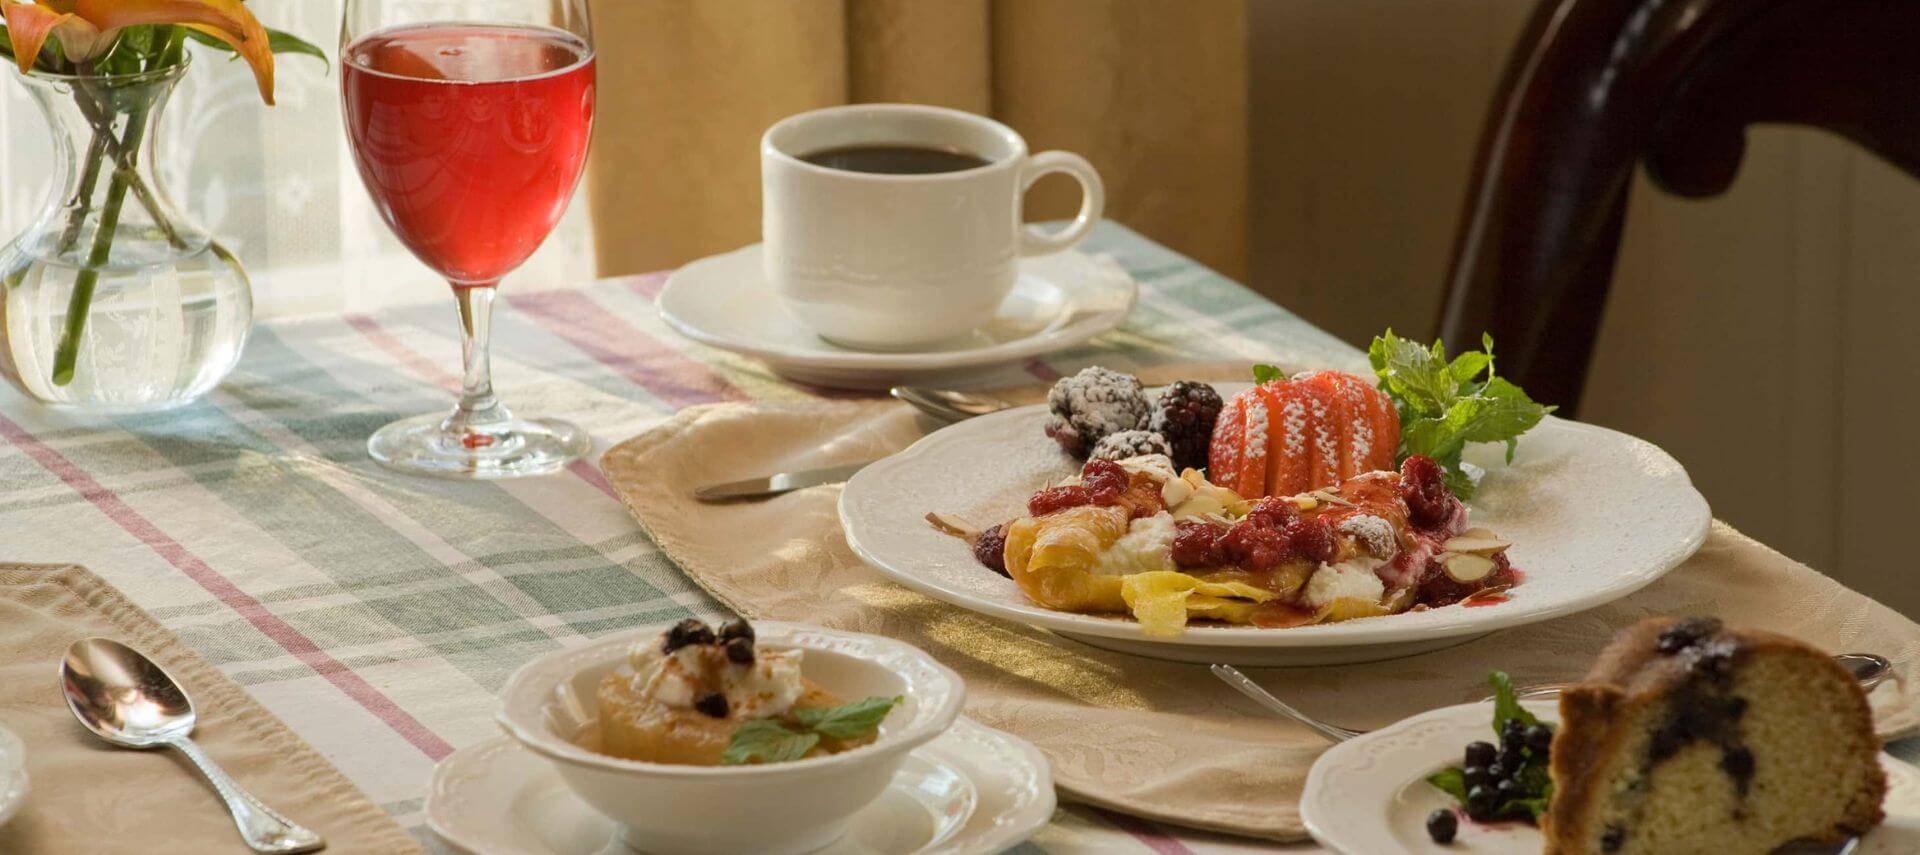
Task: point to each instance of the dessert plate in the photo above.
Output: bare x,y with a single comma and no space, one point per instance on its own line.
1593,515
972,790
1369,794
1059,301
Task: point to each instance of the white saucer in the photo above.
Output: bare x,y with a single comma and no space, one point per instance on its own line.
1059,301
972,790
1370,794
13,774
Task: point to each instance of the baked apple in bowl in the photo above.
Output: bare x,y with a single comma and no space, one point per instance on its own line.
677,733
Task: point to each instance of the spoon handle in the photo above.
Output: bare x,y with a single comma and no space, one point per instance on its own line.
260,826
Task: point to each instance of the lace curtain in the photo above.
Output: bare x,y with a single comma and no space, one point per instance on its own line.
277,185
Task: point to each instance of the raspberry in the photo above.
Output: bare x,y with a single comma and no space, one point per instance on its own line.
1312,539
1058,499
1105,480
1092,405
1273,512
1253,546
991,549
1429,502
1130,443
1185,415
1193,543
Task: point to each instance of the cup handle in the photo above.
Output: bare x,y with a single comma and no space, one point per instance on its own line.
1093,200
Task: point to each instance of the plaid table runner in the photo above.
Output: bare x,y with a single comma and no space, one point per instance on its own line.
377,614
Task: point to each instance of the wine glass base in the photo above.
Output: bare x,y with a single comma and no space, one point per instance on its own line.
515,448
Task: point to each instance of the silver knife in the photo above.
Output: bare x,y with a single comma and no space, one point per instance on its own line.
774,485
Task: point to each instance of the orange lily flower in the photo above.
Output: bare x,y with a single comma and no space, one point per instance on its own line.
87,28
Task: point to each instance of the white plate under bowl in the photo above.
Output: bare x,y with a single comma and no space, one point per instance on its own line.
1593,515
972,790
13,774
1060,300
1369,794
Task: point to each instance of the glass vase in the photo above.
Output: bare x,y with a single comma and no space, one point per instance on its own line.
113,300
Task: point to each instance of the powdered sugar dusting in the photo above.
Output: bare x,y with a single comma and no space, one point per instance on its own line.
1257,418
1372,531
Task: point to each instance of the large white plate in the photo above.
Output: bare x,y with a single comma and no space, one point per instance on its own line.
1369,794
1059,300
1593,515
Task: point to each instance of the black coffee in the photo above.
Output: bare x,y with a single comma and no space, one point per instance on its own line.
894,159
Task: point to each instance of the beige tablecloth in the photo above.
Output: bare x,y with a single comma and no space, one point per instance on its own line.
88,797
1155,739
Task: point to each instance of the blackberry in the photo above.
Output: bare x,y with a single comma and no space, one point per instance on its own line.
1185,415
990,549
1130,443
1092,405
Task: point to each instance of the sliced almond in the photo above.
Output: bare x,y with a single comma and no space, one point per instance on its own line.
953,526
1468,542
1467,567
1477,531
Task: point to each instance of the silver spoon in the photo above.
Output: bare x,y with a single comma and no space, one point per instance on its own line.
128,700
1869,669
948,405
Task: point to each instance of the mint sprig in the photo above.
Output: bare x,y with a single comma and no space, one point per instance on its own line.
1445,405
769,741
1533,783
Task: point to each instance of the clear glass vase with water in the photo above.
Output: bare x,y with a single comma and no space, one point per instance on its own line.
113,300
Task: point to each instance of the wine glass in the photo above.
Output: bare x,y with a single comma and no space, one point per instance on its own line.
469,120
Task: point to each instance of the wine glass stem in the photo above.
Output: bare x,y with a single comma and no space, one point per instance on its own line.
478,407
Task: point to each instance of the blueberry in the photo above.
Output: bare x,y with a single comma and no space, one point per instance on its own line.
740,651
1513,734
1512,756
736,629
1479,753
1477,775
687,632
1539,739
1481,801
1506,789
1497,772
713,704
1442,825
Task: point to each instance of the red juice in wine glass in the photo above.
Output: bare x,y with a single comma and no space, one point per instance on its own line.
469,138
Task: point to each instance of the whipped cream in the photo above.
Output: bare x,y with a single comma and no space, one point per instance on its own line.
1147,546
766,688
1352,578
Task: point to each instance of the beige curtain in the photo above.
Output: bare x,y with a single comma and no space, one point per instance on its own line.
1153,92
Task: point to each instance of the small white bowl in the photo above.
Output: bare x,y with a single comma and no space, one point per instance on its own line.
775,808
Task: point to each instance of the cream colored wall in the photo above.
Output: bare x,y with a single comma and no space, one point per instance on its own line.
1765,337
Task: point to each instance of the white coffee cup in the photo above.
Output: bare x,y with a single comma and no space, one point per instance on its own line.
893,262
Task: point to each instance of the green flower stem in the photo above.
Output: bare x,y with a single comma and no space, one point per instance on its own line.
67,355
125,157
83,198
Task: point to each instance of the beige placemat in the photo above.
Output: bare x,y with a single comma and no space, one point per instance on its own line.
88,797
1155,739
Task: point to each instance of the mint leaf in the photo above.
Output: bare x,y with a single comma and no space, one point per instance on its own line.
767,741
1444,406
847,721
1415,376
1264,373
1506,707
1452,781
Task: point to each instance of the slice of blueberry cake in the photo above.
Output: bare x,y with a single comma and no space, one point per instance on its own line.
1690,736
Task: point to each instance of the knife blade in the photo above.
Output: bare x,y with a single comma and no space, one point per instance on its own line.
774,485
